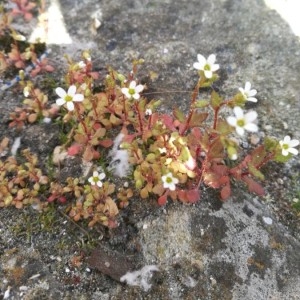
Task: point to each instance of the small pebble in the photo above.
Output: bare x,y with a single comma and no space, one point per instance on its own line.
213,281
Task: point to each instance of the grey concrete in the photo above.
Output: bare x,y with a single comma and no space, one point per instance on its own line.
205,251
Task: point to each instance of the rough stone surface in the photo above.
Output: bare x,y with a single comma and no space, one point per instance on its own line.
207,251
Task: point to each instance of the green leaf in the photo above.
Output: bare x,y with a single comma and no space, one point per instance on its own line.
270,144
255,172
201,103
197,119
281,158
150,157
216,100
223,127
185,154
179,115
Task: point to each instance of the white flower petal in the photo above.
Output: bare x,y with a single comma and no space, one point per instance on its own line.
124,90
72,90
201,60
60,101
286,139
252,93
95,174
211,59
175,180
70,106
172,186
250,116
251,99
99,183
238,112
78,97
60,92
132,85
208,74
139,88
197,66
136,96
285,152
247,86
231,121
102,176
251,127
293,143
240,130
214,67
293,151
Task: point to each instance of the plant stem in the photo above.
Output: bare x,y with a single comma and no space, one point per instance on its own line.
191,111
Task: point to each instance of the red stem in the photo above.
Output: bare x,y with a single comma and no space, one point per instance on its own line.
139,117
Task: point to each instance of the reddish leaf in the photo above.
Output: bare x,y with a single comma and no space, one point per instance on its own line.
168,121
258,155
106,143
193,196
253,186
196,132
62,199
211,179
216,149
74,149
197,119
224,180
181,194
162,200
225,192
32,118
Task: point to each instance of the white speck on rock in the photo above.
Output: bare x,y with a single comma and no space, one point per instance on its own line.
213,281
16,145
7,293
189,282
140,277
268,220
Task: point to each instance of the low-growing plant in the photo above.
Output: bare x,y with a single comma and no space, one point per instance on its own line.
161,155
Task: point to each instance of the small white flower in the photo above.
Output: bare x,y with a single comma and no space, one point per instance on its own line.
96,179
243,122
68,97
169,181
233,156
208,65
162,150
248,93
26,91
148,112
133,91
81,64
288,146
